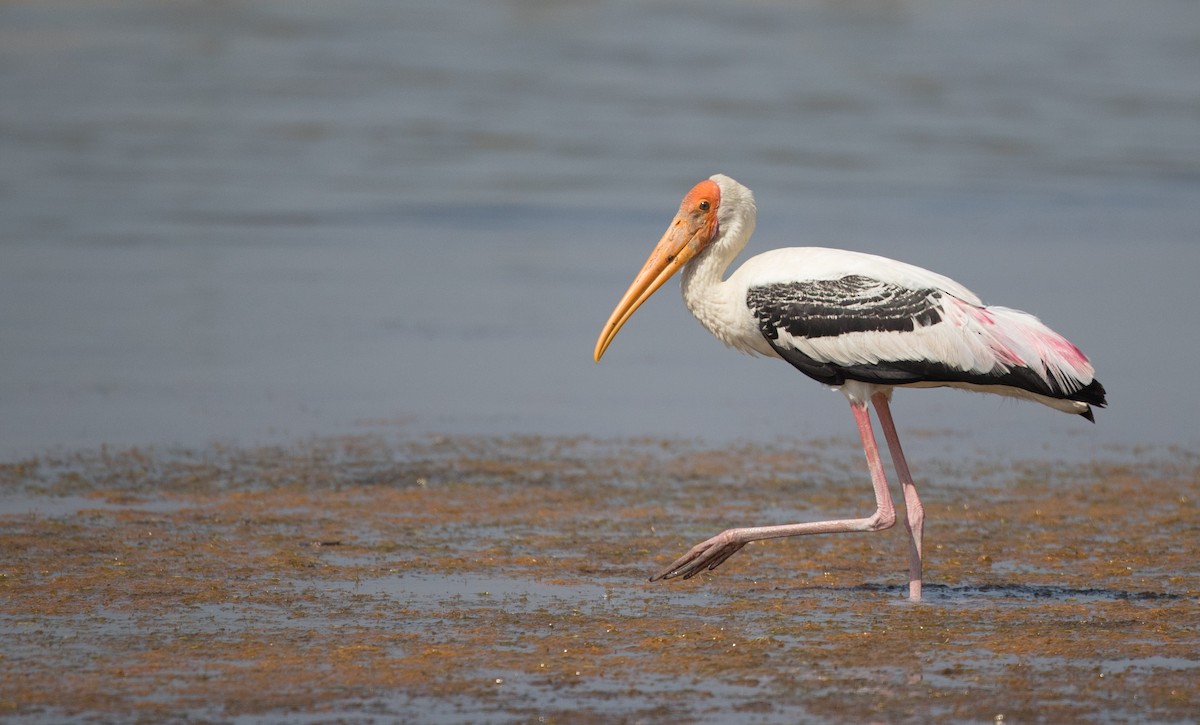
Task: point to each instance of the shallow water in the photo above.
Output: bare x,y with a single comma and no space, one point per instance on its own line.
248,222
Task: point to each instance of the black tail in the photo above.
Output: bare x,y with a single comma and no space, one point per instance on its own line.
1093,394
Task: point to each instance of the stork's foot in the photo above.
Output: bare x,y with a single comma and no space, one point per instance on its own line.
707,554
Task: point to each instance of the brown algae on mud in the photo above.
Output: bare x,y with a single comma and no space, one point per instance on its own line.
504,580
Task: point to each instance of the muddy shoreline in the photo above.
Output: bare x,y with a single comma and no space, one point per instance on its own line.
455,580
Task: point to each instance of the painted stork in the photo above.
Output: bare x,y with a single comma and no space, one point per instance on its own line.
860,323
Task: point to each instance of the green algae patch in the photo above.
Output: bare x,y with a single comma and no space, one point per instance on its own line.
504,580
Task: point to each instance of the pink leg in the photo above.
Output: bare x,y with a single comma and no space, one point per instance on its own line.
914,512
712,553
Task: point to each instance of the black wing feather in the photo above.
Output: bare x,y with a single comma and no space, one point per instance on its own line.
854,303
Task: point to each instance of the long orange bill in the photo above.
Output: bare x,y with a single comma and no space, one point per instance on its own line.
693,228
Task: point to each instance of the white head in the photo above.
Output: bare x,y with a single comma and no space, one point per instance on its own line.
718,212
736,208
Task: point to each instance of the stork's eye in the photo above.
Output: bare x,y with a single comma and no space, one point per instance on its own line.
705,205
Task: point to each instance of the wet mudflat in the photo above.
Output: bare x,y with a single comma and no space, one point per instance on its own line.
448,580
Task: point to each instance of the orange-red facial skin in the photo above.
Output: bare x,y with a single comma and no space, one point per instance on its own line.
704,219
693,229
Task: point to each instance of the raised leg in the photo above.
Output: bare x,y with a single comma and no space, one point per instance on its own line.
914,513
712,553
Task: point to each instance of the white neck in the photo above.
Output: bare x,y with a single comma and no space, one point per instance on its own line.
704,290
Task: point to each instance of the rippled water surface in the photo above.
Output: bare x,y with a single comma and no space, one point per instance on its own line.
254,221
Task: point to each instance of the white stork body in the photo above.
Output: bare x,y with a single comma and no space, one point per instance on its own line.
979,343
858,322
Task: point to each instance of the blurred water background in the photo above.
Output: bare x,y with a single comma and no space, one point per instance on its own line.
252,222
